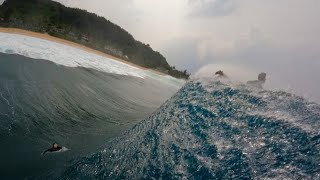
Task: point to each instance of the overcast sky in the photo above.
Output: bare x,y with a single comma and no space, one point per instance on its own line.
280,37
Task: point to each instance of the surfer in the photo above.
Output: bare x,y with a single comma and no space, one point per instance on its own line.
55,147
220,74
258,83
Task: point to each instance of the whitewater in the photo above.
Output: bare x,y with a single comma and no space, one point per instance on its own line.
212,129
72,57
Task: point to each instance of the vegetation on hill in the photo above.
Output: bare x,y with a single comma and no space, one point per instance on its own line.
82,27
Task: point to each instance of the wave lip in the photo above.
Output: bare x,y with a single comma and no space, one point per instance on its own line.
213,131
62,54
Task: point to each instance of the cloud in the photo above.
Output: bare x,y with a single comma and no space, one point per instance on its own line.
211,8
292,69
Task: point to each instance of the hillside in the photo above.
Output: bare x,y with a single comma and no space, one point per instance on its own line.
80,26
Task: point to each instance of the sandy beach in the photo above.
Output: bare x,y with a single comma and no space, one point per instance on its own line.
69,43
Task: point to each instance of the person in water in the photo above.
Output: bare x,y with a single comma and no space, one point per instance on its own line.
55,147
220,74
258,83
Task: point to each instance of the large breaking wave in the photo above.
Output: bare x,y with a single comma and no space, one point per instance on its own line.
79,108
214,130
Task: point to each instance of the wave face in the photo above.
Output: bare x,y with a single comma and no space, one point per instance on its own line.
80,108
214,130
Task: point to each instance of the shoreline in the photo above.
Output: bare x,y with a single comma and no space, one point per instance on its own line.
73,44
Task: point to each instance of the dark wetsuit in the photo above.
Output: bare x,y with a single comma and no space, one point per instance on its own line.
52,149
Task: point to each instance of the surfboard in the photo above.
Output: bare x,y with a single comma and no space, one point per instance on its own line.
63,149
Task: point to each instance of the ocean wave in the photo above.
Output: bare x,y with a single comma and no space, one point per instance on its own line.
79,108
214,130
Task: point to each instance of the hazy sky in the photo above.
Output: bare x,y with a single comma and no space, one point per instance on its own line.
280,37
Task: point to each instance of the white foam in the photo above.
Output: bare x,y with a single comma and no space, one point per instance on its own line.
63,149
73,57
64,55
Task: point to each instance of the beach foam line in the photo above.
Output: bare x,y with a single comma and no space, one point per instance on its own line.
59,53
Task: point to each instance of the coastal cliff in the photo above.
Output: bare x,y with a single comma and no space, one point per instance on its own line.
80,26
